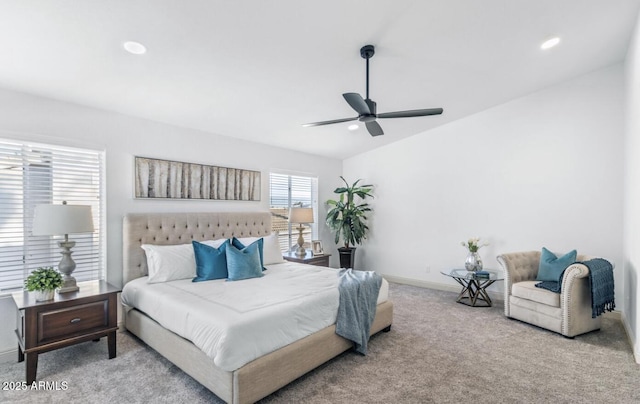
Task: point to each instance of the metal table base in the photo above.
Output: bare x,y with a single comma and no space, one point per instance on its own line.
473,291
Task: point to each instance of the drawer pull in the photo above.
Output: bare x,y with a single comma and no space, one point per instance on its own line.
75,320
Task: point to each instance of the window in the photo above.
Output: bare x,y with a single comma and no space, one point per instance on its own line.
33,174
288,191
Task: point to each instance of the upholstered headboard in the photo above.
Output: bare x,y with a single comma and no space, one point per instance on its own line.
182,228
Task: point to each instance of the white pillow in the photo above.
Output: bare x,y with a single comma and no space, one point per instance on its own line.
271,253
170,262
173,262
271,250
214,243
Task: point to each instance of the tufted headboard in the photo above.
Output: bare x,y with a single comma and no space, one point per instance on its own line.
181,228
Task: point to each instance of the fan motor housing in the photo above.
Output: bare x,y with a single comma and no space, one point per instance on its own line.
367,51
367,118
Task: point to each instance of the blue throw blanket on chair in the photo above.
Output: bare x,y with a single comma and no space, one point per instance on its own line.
600,284
602,288
358,300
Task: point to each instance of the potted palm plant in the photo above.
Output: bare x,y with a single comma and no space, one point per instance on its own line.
44,281
347,218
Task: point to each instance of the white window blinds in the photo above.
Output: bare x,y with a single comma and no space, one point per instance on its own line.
33,174
287,191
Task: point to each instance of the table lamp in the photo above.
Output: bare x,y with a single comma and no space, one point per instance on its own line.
55,220
301,216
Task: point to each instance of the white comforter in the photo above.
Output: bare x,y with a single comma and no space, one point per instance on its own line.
237,322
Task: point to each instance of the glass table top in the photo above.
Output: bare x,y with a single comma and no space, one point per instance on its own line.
464,274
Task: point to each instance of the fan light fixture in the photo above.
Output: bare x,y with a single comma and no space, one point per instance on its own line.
550,43
353,127
135,48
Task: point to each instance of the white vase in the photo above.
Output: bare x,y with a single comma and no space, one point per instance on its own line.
44,295
473,262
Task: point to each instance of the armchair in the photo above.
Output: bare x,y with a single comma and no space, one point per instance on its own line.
567,313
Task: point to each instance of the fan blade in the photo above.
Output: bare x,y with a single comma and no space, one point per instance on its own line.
411,113
357,103
374,128
306,125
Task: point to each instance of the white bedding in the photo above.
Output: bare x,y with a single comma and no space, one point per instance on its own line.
237,322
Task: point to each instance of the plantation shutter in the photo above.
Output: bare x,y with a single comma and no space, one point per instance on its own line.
286,191
33,174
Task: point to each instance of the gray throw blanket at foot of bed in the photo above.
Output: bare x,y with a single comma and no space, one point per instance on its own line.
358,300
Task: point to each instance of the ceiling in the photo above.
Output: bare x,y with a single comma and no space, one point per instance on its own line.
258,69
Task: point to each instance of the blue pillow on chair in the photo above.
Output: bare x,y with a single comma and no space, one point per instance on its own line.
260,242
552,267
243,264
211,262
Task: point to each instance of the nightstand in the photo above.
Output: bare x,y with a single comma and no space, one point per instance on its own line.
68,319
309,258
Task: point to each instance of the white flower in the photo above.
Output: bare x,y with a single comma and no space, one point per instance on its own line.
473,244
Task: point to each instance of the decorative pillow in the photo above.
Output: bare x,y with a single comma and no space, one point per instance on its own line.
211,262
249,241
243,264
552,267
271,249
169,262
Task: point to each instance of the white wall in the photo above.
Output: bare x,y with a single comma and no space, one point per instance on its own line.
542,170
38,119
632,192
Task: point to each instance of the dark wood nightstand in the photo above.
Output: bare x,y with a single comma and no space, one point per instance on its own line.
70,318
309,258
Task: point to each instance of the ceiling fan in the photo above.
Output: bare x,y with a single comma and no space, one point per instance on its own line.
366,108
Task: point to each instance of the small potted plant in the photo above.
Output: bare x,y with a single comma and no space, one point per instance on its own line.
44,281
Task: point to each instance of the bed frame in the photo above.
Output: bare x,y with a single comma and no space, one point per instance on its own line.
258,378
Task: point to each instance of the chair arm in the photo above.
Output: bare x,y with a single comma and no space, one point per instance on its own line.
518,267
575,270
575,298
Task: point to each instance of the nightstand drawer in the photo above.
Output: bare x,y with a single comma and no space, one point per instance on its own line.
62,323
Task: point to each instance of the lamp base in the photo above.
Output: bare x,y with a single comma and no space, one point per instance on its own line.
69,285
66,267
301,251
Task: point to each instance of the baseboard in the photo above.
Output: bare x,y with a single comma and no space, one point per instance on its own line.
9,356
627,330
615,315
435,285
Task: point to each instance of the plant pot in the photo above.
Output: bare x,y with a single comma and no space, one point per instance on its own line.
44,295
347,256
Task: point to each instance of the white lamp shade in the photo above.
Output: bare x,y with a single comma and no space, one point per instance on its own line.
51,220
301,215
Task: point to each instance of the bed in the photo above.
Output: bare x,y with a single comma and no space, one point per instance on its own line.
257,378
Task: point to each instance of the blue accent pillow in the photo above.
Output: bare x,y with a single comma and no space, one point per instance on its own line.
243,264
552,267
260,242
211,262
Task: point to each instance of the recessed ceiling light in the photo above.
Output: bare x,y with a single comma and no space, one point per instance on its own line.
550,43
353,127
134,47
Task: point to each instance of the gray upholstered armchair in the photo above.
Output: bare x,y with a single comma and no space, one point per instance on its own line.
567,313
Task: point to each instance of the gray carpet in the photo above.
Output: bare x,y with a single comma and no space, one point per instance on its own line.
437,352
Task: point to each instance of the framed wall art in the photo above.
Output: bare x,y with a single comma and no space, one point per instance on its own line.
166,179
